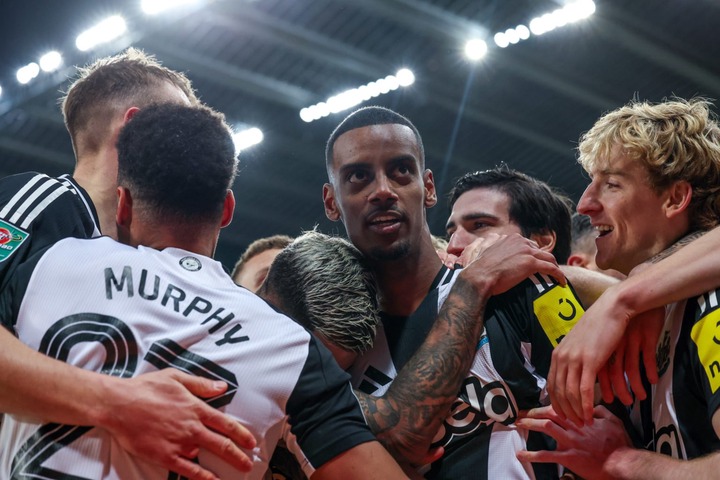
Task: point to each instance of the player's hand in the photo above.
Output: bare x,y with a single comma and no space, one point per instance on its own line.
621,376
577,360
158,417
584,450
506,261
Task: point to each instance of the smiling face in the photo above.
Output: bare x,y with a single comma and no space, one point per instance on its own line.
628,214
475,214
379,190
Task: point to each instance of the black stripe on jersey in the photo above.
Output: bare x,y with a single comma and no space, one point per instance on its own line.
42,445
31,200
118,340
166,353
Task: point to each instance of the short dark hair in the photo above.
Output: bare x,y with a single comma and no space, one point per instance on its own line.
274,242
365,117
534,206
326,285
583,238
177,160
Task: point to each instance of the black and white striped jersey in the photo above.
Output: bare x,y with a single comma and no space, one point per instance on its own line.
37,211
522,326
124,311
676,419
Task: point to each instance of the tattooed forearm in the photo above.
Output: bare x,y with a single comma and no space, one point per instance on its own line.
407,417
676,246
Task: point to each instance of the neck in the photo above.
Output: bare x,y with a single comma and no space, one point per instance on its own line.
403,284
196,239
97,174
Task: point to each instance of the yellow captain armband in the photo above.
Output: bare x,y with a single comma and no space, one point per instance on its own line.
557,308
706,335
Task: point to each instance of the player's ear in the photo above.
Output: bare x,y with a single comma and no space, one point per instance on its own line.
332,211
123,216
577,260
129,114
228,209
545,240
430,193
678,199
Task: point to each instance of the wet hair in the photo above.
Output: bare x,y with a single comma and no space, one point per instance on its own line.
535,207
274,242
674,140
326,285
365,117
177,161
108,87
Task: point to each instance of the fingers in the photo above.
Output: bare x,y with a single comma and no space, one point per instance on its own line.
542,456
226,439
617,375
198,386
587,394
605,385
433,455
191,470
632,369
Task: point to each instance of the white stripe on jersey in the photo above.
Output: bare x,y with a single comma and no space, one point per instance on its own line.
542,282
40,185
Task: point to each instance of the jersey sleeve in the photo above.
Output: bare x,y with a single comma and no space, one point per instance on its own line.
324,414
35,212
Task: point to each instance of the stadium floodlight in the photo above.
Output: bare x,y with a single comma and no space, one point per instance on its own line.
475,49
27,73
105,31
153,7
0,90
355,96
51,61
245,139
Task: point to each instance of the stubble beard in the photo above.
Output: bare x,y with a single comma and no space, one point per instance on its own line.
394,252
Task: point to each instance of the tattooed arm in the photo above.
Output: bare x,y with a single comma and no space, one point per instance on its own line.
410,413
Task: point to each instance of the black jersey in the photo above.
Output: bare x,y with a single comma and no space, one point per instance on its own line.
124,311
676,419
37,211
522,326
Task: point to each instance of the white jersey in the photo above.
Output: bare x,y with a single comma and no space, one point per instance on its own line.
126,311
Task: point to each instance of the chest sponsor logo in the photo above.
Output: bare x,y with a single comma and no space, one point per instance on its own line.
11,238
478,406
706,335
558,311
667,441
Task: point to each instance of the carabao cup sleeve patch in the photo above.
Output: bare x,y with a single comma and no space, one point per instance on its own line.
558,310
11,238
706,335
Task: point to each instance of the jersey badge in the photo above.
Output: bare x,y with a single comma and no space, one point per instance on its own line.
706,335
191,264
11,238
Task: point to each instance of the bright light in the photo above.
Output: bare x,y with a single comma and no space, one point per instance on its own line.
247,138
108,29
51,61
0,90
522,32
355,96
501,40
512,36
570,13
152,7
405,77
475,49
28,72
